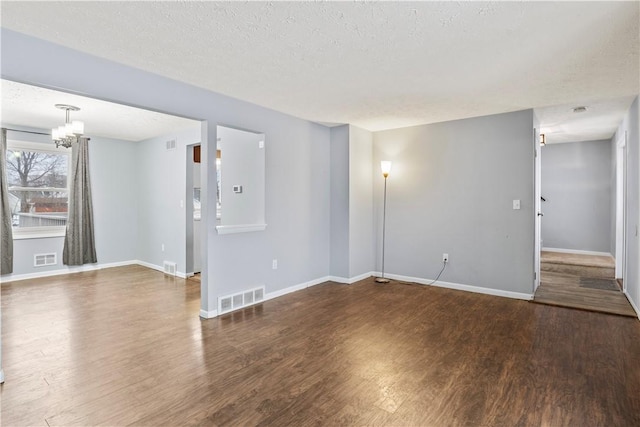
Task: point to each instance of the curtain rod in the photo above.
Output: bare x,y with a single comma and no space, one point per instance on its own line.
28,131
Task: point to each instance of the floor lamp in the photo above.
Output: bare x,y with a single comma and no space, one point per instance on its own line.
386,168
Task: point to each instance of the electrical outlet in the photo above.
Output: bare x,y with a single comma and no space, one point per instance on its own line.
445,257
274,264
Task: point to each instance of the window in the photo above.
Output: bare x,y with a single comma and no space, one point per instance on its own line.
37,179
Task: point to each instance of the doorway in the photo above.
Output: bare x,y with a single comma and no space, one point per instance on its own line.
193,226
582,198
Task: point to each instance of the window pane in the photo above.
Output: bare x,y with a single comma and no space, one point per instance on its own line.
34,169
38,208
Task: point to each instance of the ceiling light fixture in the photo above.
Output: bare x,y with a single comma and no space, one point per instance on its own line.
71,130
580,109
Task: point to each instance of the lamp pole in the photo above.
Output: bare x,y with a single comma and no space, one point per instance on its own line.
386,168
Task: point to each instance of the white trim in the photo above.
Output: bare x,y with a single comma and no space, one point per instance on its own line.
577,252
208,314
461,287
179,274
86,267
294,288
56,231
66,270
351,280
635,307
1,376
244,228
271,295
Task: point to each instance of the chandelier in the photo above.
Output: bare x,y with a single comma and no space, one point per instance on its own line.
68,133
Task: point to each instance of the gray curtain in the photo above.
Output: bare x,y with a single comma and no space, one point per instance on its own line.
5,210
79,242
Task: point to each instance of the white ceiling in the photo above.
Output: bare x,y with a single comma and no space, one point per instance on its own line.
25,105
377,65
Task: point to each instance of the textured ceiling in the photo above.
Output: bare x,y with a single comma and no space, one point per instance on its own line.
25,105
377,65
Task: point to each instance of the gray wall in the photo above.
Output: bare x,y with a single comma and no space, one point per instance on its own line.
113,181
297,176
161,190
242,163
451,190
576,183
352,239
361,237
339,201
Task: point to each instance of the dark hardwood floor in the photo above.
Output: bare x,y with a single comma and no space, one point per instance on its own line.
125,346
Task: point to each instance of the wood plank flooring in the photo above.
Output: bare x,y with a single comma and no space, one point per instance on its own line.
558,286
125,346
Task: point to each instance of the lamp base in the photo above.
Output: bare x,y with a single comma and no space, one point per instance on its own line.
382,280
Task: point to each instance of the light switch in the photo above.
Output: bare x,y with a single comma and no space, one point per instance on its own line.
516,204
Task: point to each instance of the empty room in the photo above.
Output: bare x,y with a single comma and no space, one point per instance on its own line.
320,213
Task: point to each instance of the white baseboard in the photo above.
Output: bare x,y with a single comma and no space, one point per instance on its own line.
633,304
576,251
294,288
82,268
461,287
351,280
160,268
66,270
208,314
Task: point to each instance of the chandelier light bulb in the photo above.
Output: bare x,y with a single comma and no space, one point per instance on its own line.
68,133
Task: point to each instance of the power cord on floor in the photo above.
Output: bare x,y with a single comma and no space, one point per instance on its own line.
444,265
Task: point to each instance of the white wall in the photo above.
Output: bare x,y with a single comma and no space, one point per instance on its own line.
576,183
451,190
113,181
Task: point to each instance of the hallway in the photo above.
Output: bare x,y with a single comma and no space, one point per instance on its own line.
585,282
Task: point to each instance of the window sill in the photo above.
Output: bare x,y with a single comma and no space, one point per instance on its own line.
38,234
230,229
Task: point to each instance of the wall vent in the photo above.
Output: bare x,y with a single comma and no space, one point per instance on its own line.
171,144
41,260
240,300
170,268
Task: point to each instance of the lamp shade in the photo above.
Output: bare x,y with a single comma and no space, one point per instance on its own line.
78,127
385,166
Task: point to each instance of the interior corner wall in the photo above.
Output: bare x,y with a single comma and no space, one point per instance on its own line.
576,184
361,237
451,191
161,176
339,182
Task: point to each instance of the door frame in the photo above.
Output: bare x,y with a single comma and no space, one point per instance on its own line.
537,206
621,206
